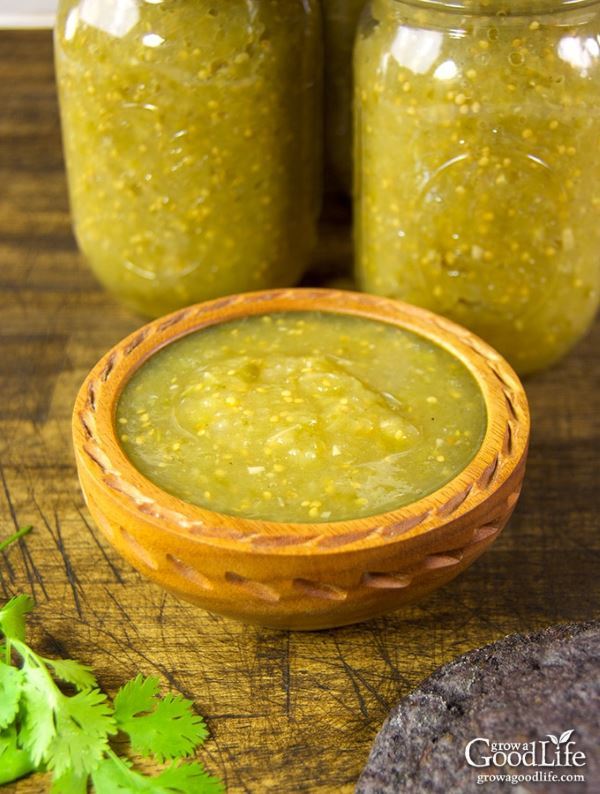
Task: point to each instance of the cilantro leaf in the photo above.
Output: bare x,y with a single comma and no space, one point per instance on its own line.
165,728
11,684
70,783
72,672
4,544
38,704
171,731
12,617
192,778
66,733
83,724
135,696
14,761
42,728
115,776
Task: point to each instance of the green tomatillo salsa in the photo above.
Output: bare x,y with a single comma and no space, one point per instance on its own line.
190,135
477,167
301,417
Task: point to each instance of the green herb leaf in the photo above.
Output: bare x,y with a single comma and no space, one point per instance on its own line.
165,728
38,706
135,696
72,672
42,728
66,733
70,783
83,724
114,776
12,617
4,544
15,762
11,685
189,778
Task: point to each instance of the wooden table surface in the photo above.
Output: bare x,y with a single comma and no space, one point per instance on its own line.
288,712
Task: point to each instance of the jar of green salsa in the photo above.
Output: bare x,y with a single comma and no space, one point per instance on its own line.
190,134
478,186
340,19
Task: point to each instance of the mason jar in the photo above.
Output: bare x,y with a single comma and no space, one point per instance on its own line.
191,134
478,167
340,20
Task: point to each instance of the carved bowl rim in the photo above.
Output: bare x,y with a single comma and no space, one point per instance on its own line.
99,453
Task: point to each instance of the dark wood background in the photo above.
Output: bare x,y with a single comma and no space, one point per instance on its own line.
288,712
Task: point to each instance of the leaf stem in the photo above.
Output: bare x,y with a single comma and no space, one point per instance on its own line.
118,761
13,538
17,765
30,657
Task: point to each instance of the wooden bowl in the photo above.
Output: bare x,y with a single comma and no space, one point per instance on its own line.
301,576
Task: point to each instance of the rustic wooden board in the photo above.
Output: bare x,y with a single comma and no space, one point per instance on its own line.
288,712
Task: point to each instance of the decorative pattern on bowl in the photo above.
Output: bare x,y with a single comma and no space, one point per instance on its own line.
305,575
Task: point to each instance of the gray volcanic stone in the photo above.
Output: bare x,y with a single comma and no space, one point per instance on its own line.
519,689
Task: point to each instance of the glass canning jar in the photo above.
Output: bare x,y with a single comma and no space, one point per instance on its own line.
191,140
340,21
478,168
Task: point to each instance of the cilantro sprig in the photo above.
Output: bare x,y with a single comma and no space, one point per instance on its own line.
44,728
4,544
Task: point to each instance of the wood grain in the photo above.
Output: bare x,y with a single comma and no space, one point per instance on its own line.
288,712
